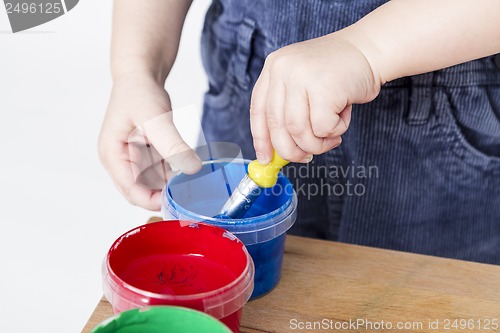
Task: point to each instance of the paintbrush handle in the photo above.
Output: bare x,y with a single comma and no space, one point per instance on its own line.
266,175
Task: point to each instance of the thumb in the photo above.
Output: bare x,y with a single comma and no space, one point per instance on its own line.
161,133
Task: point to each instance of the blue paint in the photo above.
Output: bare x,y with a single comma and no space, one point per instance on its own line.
267,257
262,230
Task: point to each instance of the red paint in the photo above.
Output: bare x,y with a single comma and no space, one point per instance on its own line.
177,274
169,263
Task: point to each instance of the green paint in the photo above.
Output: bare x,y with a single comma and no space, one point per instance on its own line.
161,319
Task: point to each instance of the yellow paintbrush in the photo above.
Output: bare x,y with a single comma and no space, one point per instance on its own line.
249,189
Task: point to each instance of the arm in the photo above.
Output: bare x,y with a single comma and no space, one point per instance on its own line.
302,101
146,37
144,46
409,37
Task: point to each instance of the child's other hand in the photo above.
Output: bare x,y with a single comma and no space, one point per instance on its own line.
302,101
137,133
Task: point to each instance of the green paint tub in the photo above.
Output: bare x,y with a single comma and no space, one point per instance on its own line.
161,319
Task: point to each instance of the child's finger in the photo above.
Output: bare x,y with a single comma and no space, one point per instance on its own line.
162,134
123,179
258,119
282,141
345,121
297,120
324,115
330,143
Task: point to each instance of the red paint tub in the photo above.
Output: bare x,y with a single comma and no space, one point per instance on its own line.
182,263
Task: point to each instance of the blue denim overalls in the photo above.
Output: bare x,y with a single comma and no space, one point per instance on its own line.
419,167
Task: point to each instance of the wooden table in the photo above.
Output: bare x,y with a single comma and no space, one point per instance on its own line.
339,286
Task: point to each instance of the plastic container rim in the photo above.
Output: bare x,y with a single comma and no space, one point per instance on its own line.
263,221
119,284
110,319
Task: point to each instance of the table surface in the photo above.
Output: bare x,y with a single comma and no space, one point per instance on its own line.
334,287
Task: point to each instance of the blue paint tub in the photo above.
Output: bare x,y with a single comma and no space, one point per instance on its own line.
263,229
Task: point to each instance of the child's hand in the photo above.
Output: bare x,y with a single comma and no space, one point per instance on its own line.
137,133
301,103
302,100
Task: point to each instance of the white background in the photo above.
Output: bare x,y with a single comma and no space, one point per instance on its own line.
59,211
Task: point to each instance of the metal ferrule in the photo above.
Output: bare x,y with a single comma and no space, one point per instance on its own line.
242,199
